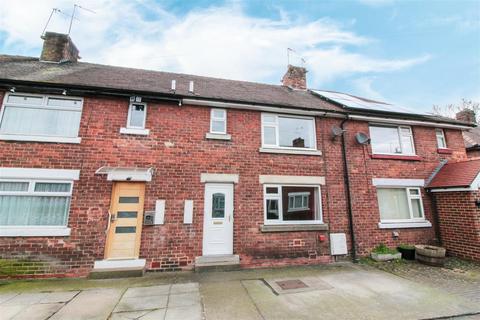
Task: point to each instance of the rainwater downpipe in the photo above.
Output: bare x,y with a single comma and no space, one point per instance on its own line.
348,193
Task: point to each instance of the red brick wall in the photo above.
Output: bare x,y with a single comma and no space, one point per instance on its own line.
459,219
363,169
178,165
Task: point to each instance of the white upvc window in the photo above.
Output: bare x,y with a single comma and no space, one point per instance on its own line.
288,132
137,116
34,117
441,141
292,204
36,203
218,121
392,140
400,204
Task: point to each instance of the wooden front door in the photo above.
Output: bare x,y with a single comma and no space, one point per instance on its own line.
126,216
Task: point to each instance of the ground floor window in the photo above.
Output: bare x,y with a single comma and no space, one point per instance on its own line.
34,203
292,204
400,204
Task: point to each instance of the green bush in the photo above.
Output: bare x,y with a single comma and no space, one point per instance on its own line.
383,249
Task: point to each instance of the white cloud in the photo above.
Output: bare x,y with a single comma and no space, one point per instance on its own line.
218,41
364,87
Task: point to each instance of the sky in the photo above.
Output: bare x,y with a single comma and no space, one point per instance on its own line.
411,53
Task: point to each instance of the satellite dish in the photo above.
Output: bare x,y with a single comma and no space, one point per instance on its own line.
362,138
336,131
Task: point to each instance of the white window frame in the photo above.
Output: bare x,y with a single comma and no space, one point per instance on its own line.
305,196
130,108
278,196
399,133
43,105
410,197
440,135
37,230
213,118
275,125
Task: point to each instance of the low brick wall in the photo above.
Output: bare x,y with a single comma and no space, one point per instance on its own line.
459,219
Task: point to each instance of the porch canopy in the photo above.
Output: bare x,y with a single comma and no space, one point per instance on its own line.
126,173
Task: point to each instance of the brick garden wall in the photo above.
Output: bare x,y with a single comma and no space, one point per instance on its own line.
459,219
179,152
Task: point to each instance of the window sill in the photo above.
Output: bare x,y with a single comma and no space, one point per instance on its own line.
34,231
140,132
395,157
291,151
404,225
293,227
13,137
218,136
444,151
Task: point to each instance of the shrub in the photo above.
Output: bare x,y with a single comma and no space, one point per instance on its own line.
406,246
383,249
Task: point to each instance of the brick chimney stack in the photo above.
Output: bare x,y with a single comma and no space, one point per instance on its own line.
467,115
58,47
295,77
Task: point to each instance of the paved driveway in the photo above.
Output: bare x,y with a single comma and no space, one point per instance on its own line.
322,292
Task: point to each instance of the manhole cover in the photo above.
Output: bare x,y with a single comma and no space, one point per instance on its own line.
291,284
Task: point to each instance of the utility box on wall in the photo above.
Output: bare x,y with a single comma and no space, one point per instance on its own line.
338,244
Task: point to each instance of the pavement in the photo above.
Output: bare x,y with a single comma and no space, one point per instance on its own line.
343,291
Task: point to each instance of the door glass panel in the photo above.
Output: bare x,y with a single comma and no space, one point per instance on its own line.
125,229
218,205
127,214
128,200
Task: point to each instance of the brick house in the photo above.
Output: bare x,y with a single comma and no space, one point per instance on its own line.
104,167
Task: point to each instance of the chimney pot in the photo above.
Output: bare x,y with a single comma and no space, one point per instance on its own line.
58,47
466,115
295,77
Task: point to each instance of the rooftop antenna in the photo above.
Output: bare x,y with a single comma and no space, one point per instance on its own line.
292,51
54,10
75,6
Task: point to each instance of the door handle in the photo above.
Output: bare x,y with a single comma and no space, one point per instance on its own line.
109,221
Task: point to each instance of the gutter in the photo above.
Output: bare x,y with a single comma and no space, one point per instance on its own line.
346,178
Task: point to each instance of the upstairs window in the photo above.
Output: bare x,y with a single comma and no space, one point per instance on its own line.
218,121
40,118
392,140
441,141
279,131
137,115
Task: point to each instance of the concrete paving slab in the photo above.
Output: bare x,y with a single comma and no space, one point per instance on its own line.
142,303
90,305
24,299
184,287
357,295
62,296
227,300
8,312
127,315
6,296
184,299
147,291
158,314
193,312
38,311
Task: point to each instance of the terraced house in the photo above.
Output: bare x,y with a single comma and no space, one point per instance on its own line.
110,168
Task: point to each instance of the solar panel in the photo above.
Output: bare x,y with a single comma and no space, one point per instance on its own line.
364,104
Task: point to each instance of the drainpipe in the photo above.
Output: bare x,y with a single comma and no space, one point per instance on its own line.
348,194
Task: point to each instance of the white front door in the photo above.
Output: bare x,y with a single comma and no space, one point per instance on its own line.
218,219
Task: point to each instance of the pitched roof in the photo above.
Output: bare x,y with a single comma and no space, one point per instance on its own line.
104,76
472,138
456,174
82,74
